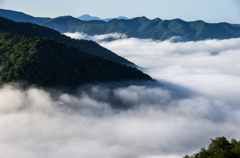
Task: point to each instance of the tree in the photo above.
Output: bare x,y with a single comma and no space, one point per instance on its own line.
236,149
203,153
218,147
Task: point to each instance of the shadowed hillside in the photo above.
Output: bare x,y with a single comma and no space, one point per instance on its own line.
45,62
33,30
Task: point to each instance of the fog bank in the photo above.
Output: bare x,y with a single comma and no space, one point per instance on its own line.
39,123
199,100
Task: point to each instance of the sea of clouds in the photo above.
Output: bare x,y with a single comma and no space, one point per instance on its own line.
197,98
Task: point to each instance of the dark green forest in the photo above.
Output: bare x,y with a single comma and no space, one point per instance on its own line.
33,30
45,62
219,147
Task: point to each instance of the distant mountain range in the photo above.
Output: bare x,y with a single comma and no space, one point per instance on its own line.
22,17
87,17
139,27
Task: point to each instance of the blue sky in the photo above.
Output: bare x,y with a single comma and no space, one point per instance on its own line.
189,10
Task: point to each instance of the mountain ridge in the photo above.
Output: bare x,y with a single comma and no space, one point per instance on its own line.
87,17
20,16
34,30
143,28
157,29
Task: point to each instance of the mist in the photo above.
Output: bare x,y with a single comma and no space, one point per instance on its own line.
210,67
195,99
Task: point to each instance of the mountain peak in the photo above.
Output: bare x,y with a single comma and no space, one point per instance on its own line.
87,17
141,17
122,17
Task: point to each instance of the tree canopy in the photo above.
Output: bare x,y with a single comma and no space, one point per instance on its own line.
33,30
45,62
219,147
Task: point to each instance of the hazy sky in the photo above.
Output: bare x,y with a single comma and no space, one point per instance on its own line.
189,10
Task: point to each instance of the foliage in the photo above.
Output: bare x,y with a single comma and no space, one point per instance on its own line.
219,148
33,30
45,62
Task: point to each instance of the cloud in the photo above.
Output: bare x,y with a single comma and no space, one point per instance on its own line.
199,101
210,67
42,123
97,38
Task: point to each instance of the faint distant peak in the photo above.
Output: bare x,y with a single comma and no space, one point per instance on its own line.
119,18
122,17
87,17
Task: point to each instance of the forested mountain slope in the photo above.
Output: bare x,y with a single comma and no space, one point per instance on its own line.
45,62
33,30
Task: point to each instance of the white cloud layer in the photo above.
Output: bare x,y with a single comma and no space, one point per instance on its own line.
97,38
38,123
210,67
201,102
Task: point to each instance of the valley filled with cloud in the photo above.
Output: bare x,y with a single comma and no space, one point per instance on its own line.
196,98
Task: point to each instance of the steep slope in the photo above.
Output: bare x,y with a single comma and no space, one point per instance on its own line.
32,30
45,62
43,19
19,16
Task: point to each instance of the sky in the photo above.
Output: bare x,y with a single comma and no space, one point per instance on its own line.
189,10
